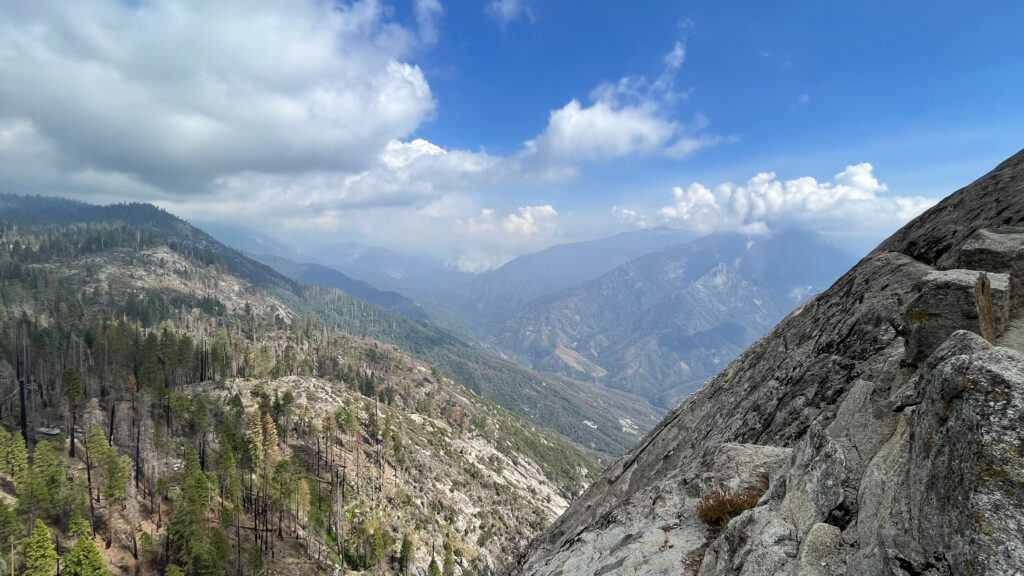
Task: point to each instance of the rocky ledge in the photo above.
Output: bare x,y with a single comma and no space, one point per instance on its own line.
880,423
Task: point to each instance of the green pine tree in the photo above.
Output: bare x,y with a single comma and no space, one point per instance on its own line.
116,472
17,457
378,552
5,446
407,554
48,482
188,527
40,556
449,559
79,527
433,569
11,530
84,560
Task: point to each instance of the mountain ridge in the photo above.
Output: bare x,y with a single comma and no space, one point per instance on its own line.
661,324
865,460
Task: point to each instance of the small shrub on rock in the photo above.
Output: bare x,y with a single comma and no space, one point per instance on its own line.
718,508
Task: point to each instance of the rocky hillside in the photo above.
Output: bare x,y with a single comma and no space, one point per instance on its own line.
120,334
876,430
592,415
660,325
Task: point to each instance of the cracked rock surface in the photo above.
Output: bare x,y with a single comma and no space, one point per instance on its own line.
881,449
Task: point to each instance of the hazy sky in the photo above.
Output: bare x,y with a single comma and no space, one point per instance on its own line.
477,131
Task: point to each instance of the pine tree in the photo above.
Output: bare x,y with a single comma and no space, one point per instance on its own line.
407,554
5,446
116,471
96,446
84,560
11,530
188,527
378,552
226,468
449,559
271,444
433,569
255,442
79,527
255,446
40,556
18,459
48,482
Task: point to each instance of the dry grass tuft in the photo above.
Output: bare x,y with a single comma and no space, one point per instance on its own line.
718,508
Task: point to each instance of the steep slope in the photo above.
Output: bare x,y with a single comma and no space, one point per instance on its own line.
879,429
660,325
172,351
587,413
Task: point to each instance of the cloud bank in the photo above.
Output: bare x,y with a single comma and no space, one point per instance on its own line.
173,94
855,201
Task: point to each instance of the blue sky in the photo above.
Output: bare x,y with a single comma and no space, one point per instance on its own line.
477,131
933,93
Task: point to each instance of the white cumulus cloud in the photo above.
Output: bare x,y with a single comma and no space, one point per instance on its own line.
632,116
602,131
526,221
177,93
494,239
854,201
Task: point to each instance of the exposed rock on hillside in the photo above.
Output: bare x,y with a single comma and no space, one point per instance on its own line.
902,425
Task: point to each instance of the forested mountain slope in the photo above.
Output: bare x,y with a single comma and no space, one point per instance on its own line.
219,429
874,431
600,419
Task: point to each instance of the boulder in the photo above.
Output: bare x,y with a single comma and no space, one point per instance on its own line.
944,303
999,250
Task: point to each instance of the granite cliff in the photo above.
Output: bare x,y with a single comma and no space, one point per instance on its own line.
879,424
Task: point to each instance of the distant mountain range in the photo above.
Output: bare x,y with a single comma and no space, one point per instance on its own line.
660,325
331,278
488,300
654,312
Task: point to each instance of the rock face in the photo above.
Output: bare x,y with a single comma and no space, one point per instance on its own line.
946,302
887,448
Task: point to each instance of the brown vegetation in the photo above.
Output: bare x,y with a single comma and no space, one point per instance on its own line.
718,508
